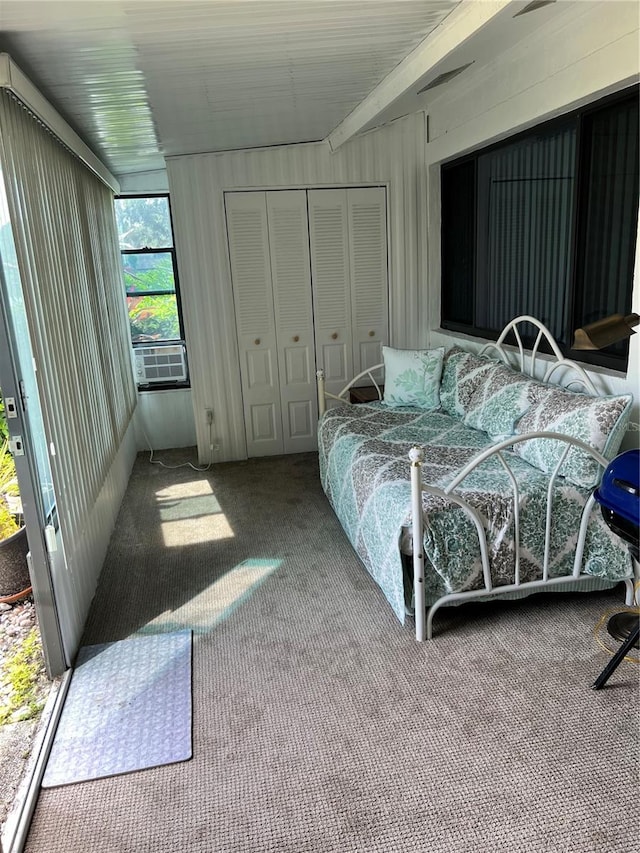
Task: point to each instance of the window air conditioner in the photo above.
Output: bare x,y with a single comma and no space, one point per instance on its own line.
163,363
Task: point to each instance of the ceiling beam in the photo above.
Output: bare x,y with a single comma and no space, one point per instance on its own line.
464,22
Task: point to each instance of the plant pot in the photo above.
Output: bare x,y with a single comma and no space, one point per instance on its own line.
14,571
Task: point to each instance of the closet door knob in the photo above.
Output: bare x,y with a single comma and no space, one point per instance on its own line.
371,333
257,342
334,336
296,338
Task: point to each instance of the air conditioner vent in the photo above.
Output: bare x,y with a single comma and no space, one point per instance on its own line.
444,78
531,7
164,363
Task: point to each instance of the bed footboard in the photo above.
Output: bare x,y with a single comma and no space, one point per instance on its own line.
424,616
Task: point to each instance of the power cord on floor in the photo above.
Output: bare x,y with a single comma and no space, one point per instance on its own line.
153,461
607,615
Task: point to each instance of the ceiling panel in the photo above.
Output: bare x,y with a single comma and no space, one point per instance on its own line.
146,78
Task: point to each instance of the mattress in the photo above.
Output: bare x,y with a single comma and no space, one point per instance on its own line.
365,473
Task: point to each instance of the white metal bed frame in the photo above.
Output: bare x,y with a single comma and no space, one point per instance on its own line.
526,364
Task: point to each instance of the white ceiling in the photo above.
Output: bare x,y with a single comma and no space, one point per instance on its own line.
141,79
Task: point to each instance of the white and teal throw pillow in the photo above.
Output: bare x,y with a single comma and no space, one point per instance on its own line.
498,401
598,421
412,377
462,373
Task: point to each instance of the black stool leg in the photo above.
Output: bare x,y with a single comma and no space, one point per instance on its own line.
622,652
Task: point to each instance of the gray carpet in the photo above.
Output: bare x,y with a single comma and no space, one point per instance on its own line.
319,723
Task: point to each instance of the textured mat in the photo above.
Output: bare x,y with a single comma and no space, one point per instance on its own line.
128,708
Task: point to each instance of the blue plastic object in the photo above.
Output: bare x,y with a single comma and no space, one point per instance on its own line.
619,490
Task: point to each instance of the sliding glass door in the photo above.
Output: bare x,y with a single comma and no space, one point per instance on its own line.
18,381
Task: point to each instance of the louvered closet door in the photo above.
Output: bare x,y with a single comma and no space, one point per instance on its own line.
329,244
368,267
291,278
248,236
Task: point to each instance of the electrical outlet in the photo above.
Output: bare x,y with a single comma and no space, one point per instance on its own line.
209,414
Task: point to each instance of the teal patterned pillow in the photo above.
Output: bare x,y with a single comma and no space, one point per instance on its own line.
412,377
498,402
598,421
462,373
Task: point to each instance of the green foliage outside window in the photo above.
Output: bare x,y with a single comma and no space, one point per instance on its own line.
145,272
23,679
145,223
4,427
153,318
8,479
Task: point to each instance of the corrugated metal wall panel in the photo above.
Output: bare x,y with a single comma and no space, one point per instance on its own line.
393,155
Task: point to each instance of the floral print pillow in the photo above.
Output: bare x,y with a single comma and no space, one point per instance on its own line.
462,373
598,421
412,377
498,402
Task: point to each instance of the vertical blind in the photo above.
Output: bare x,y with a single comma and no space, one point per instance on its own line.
66,244
526,194
545,224
611,201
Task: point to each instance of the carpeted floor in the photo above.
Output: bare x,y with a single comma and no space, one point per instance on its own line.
319,723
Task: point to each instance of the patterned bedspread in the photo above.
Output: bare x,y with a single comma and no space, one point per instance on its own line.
365,473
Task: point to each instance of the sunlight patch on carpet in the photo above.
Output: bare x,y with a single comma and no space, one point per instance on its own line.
221,598
190,512
207,528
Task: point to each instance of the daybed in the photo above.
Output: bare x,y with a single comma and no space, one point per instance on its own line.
497,499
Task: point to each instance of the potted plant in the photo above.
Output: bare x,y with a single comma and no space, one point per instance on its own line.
14,571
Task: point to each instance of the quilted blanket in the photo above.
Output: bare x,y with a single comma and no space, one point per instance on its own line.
365,473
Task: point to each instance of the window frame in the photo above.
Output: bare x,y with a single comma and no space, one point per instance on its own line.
619,363
171,251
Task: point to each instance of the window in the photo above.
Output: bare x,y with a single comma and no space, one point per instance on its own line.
545,224
151,285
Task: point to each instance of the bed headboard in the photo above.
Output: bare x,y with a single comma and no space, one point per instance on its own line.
572,373
553,368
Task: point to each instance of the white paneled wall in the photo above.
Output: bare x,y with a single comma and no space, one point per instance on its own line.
164,419
588,53
74,596
392,156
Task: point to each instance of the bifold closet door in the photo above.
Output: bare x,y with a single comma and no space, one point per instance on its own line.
329,244
248,236
309,274
349,273
291,279
368,270
269,253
